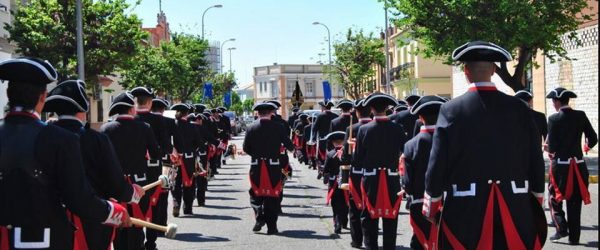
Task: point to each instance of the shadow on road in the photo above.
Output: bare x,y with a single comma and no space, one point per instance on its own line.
293,215
591,244
306,234
196,237
220,198
227,179
219,185
213,217
301,196
301,187
225,207
225,191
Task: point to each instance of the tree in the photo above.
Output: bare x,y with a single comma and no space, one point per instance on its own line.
177,68
522,27
355,59
46,29
221,83
247,105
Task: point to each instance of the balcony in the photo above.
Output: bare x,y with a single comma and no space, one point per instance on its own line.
402,72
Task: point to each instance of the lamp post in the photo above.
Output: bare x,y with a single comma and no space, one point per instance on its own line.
387,56
221,53
328,39
79,35
204,13
230,49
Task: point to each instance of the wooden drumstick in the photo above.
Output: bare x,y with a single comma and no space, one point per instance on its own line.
169,230
162,181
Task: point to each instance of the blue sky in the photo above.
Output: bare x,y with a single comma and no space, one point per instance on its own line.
267,31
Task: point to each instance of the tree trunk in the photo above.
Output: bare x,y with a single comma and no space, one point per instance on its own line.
517,80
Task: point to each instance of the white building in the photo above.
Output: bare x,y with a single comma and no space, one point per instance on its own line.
278,81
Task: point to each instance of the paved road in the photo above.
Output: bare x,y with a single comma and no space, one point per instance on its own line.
227,220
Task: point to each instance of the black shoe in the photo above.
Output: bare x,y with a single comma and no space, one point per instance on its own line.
337,229
345,226
573,243
201,204
187,211
557,236
272,231
175,211
224,162
258,226
356,245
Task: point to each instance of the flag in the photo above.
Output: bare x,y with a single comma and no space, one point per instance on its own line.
326,90
208,91
227,99
297,97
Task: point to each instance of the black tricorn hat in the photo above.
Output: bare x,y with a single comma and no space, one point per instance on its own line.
207,113
480,51
400,107
67,97
158,102
28,70
123,100
202,116
295,109
560,92
334,136
275,102
326,104
402,102
524,95
199,107
379,100
302,116
344,104
411,99
142,91
181,107
429,104
221,109
264,106
192,117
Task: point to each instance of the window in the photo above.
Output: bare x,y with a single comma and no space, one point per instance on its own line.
309,87
289,87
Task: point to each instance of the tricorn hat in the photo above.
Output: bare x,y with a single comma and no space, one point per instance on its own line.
336,135
199,108
400,107
181,107
28,70
326,104
68,97
264,106
411,99
429,104
158,102
481,51
275,102
524,95
561,92
344,104
380,100
123,100
142,91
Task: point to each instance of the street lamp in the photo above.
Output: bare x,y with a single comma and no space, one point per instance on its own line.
328,39
230,49
79,35
204,13
221,53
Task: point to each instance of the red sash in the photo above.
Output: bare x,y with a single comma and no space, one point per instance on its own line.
486,240
573,169
136,209
427,243
186,177
332,190
355,195
265,188
383,207
79,241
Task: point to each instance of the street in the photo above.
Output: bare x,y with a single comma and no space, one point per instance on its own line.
227,219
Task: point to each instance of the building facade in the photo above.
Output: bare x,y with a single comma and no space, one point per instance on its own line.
278,81
7,50
412,73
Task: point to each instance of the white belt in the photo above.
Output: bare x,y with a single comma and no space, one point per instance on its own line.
202,153
18,243
271,162
332,178
354,171
188,156
137,178
374,172
166,157
567,161
464,193
153,163
518,190
416,201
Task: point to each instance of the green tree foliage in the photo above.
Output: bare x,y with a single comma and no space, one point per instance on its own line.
46,29
522,27
247,105
177,69
355,59
221,83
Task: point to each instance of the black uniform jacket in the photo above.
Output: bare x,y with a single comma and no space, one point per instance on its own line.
407,120
416,157
322,124
540,122
292,120
133,141
565,129
485,144
340,123
100,161
42,169
378,148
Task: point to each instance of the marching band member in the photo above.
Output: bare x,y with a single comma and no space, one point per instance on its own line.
538,117
320,129
568,171
405,118
336,197
342,122
134,141
486,155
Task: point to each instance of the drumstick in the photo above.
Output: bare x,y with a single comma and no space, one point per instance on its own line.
169,230
162,181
